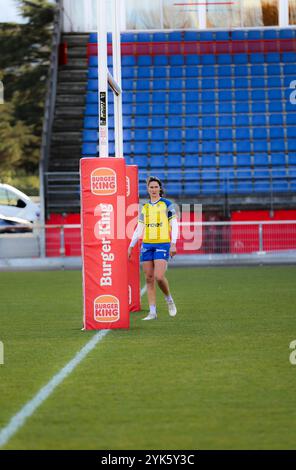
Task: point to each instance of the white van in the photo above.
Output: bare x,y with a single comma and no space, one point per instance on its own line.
14,203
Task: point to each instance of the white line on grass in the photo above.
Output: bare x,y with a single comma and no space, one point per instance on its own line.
18,420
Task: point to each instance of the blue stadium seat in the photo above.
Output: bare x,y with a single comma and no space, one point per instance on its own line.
174,134
254,34
278,145
191,108
141,121
226,160
174,176
157,161
273,57
276,107
241,71
191,121
173,189
208,146
157,148
244,187
260,133
208,71
257,58
244,174
207,134
226,146
142,85
126,60
260,146
243,160
239,34
91,123
161,60
262,186
224,71
261,159
192,175
141,161
206,36
192,59
190,147
176,72
208,161
274,95
258,95
175,147
175,97
224,59
286,33
143,97
242,133
141,134
175,108
225,120
191,161
89,148
141,148
174,121
191,35
191,189
157,134
141,109
242,107
270,34
144,60
240,58
277,120
241,120
278,159
225,96
191,84
280,186
174,161
241,83
289,57
273,70
144,37
224,134
90,135
158,97
208,59
158,72
259,120
292,158
176,60
222,83
191,72
143,72
175,36
159,37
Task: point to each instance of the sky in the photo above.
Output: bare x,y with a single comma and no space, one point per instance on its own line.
9,11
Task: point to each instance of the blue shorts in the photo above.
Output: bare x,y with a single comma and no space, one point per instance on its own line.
152,251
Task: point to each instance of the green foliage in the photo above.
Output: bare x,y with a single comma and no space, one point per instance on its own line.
24,60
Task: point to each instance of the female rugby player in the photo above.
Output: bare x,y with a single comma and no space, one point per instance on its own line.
159,223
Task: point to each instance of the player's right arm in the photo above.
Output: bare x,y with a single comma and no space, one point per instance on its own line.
137,234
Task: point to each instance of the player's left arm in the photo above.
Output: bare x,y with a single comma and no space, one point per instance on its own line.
174,235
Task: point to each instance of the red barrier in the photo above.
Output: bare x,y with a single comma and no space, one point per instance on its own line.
104,254
247,46
132,216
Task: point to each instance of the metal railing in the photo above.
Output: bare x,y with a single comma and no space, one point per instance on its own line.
195,238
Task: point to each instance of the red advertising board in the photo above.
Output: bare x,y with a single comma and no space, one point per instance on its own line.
104,243
132,216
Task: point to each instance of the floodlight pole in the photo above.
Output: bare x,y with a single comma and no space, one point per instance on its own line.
116,51
102,78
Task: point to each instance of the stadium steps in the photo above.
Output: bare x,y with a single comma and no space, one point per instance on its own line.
66,139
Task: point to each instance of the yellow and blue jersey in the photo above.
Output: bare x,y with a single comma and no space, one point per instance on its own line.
156,217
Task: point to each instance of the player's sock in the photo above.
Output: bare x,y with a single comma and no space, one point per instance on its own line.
152,309
169,298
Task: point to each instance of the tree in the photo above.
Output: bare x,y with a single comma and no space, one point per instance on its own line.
24,60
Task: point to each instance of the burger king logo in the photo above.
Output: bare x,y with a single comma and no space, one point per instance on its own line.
106,309
103,182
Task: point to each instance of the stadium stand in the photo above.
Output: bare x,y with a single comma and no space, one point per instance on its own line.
210,112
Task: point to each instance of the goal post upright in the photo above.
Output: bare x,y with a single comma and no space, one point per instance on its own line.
102,78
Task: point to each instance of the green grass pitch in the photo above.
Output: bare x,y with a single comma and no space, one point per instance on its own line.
217,376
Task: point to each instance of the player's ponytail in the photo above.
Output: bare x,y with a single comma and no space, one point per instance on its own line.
157,180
